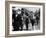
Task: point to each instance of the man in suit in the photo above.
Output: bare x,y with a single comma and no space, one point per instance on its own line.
15,20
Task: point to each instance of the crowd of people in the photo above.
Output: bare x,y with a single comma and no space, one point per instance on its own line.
23,16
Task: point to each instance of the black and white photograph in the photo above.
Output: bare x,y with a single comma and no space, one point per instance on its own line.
25,18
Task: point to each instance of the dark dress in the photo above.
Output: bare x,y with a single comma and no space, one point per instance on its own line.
26,22
19,21
32,21
37,19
